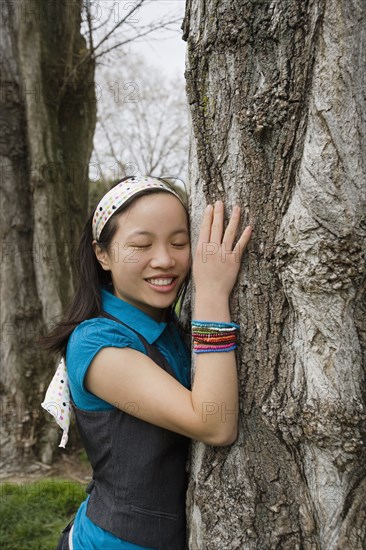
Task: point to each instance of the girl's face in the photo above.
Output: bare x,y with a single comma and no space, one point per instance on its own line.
149,257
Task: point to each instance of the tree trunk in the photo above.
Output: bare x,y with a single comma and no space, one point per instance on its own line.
277,101
48,110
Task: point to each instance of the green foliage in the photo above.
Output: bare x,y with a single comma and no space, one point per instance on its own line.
178,306
34,514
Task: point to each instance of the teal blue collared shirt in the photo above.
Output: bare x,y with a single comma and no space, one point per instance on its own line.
84,343
95,334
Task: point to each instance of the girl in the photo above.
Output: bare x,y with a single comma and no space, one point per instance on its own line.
129,370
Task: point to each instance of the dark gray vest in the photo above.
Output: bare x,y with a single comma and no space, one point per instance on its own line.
139,473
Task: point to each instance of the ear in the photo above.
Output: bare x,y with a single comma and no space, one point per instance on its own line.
102,256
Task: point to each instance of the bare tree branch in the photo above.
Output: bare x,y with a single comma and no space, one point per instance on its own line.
117,25
90,26
91,53
137,36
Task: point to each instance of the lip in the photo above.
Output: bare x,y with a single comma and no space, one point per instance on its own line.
163,276
165,288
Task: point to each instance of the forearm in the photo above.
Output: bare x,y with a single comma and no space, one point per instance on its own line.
215,269
215,385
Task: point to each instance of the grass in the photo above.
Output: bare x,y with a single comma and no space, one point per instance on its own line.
34,514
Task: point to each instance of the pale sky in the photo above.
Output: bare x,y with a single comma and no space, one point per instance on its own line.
163,53
165,50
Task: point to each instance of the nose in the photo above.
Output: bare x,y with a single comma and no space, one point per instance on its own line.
162,258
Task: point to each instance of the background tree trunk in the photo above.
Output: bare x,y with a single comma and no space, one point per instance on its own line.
48,113
277,100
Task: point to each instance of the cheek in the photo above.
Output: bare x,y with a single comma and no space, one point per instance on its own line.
186,259
131,258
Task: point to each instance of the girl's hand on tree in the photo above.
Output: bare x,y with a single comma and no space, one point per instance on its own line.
217,260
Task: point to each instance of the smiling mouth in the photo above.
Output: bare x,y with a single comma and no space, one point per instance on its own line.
161,282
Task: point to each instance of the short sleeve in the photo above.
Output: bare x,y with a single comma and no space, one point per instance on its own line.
84,343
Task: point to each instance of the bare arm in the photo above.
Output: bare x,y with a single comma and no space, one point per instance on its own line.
215,270
133,382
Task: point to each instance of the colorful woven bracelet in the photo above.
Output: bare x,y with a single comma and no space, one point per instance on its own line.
215,324
212,337
211,350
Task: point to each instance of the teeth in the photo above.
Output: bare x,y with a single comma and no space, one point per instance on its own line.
160,282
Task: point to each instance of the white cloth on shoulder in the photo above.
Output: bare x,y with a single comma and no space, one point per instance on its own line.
57,400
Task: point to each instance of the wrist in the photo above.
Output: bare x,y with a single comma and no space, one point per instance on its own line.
206,294
212,308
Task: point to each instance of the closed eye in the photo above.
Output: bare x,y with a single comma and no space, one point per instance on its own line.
134,245
180,245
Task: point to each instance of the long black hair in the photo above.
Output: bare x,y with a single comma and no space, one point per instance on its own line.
87,302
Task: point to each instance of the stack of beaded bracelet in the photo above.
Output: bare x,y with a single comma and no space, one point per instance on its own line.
209,336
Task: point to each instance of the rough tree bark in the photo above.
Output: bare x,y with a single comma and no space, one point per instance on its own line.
48,113
277,101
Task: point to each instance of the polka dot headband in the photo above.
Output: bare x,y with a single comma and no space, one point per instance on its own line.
119,194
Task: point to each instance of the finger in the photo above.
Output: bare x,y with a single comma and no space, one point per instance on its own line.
231,229
218,223
243,241
205,230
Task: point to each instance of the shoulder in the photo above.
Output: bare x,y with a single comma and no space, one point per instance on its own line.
89,338
101,331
